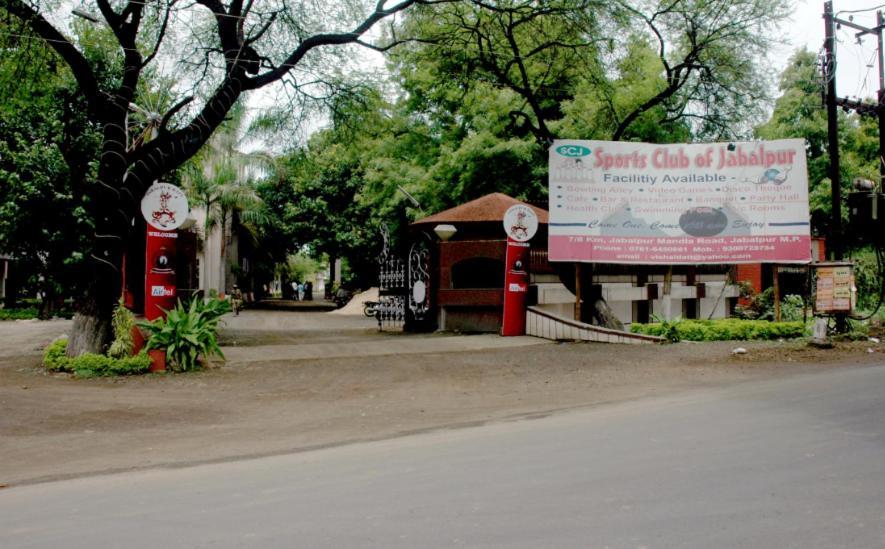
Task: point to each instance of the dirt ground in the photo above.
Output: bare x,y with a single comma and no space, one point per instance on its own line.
53,426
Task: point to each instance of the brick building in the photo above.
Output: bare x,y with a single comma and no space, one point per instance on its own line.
468,279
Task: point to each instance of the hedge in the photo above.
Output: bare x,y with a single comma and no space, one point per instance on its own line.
91,364
721,330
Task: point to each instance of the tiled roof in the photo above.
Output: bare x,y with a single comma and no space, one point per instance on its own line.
490,207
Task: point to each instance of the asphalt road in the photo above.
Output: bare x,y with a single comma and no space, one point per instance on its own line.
787,463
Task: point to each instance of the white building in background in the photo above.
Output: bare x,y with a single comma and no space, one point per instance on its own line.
218,254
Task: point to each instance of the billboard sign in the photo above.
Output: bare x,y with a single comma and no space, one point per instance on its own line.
616,202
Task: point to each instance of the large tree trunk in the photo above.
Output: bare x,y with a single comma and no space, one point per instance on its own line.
592,305
604,315
92,332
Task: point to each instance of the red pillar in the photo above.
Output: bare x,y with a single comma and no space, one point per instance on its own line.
159,279
516,288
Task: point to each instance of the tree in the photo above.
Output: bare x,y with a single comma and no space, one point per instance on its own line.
708,69
637,70
324,213
221,180
46,142
799,113
237,50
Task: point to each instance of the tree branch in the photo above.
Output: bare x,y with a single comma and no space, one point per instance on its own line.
328,39
80,68
160,35
171,112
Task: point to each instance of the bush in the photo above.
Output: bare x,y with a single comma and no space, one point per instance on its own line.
91,364
122,322
792,308
54,357
188,333
867,278
18,314
721,330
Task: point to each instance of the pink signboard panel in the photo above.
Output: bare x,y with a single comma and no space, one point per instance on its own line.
614,202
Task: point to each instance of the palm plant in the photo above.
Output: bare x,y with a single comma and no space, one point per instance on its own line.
221,180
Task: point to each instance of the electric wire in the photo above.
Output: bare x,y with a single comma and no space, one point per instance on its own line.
864,10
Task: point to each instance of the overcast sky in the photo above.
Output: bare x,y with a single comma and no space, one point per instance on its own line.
857,69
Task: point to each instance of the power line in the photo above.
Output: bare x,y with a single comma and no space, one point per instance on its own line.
864,10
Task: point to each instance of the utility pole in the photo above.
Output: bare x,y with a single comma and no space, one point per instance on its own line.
880,24
835,243
861,108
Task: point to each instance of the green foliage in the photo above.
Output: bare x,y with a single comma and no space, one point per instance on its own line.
47,143
18,314
91,364
761,305
488,86
867,278
798,114
29,312
668,329
300,267
188,333
857,331
721,330
54,357
122,322
792,308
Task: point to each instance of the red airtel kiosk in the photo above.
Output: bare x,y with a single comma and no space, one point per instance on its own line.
165,209
520,224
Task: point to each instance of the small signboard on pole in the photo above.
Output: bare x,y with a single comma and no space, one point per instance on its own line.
834,287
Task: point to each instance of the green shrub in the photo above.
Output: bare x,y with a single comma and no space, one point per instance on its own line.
54,357
867,278
792,308
667,328
122,322
91,364
188,333
18,314
721,330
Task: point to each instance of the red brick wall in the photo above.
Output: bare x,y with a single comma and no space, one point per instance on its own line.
751,273
469,310
459,250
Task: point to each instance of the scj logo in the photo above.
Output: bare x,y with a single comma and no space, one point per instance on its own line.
572,151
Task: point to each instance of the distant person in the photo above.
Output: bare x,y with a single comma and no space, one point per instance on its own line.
300,291
236,299
308,290
295,290
342,296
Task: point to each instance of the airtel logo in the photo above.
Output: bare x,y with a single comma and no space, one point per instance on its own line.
572,151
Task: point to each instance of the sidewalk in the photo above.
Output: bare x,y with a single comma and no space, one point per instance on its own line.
274,304
405,345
